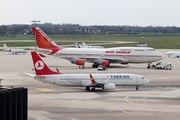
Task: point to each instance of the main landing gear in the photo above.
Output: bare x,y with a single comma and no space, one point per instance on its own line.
88,89
137,87
95,65
93,89
148,67
14,53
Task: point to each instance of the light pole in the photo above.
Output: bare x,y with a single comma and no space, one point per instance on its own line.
34,21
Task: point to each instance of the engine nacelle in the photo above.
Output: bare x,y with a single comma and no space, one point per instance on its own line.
78,62
105,62
109,86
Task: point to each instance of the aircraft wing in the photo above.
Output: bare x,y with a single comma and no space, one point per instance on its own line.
94,83
119,59
91,59
97,59
112,60
104,85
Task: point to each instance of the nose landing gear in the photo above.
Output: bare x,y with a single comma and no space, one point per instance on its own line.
137,87
148,67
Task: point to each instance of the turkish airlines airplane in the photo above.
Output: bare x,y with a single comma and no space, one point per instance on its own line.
123,55
85,46
14,51
174,53
104,81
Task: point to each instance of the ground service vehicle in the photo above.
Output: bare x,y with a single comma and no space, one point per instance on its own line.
101,67
164,65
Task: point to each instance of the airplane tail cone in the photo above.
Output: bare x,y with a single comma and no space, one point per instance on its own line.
40,66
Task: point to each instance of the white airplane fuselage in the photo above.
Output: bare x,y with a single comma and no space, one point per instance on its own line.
95,47
84,79
16,50
174,53
114,55
104,81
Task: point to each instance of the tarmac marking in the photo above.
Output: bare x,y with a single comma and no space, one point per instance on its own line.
45,89
72,118
144,100
38,115
151,106
128,100
164,77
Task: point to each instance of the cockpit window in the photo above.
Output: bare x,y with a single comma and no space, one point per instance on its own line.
152,50
142,78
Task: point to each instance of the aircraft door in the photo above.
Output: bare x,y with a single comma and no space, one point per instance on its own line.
102,55
137,79
54,81
83,54
132,50
143,56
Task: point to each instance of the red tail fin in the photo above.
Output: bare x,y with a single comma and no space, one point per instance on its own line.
43,41
40,66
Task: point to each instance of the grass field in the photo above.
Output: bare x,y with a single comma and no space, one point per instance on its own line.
157,41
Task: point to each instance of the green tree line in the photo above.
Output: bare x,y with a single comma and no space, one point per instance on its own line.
76,29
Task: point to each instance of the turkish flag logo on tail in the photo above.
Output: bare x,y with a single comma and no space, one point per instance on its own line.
39,65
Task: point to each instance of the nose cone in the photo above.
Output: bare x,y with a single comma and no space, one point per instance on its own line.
147,81
161,56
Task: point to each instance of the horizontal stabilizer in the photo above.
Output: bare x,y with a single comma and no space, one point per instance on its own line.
30,74
42,55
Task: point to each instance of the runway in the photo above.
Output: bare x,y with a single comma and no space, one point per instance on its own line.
159,99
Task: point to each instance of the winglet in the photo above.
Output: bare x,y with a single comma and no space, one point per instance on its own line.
77,45
92,79
57,70
84,44
40,66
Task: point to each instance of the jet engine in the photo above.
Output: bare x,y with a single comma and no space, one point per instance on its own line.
78,62
105,62
109,86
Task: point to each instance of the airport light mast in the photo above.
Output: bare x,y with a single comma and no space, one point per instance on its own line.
34,21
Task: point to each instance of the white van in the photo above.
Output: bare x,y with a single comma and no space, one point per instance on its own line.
101,67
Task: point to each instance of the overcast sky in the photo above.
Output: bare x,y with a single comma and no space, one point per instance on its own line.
92,12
